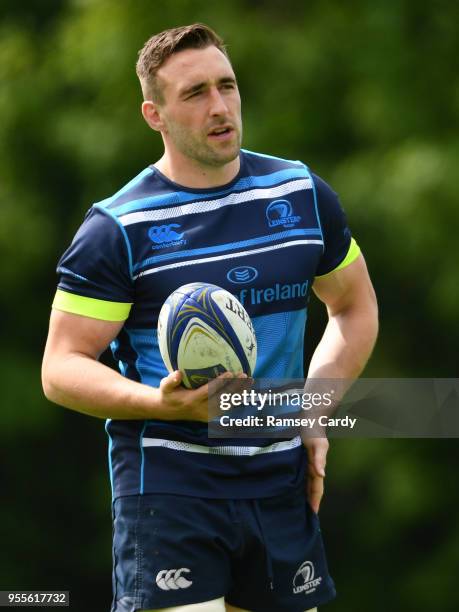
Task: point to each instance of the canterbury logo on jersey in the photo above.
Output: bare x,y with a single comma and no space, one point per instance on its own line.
165,234
173,579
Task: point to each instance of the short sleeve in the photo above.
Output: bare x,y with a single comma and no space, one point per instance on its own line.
340,249
94,272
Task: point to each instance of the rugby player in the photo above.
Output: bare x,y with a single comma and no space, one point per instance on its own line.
203,524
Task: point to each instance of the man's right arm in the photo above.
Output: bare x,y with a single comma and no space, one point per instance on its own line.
73,377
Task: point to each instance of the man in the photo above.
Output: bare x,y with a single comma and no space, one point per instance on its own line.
199,524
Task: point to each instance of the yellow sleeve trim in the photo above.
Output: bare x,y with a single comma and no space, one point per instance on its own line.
90,307
352,254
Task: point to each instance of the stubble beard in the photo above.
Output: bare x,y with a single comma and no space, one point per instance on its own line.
203,153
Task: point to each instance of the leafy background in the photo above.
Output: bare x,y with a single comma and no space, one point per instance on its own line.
365,92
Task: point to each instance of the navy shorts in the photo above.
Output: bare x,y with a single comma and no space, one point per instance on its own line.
264,555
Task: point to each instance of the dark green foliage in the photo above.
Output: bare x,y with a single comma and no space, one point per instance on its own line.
367,94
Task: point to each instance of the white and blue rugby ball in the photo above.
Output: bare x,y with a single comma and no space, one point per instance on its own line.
203,331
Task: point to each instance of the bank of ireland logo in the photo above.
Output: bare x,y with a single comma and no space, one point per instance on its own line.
280,212
242,274
173,579
166,235
304,580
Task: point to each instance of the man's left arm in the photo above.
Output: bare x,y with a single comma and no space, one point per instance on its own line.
344,348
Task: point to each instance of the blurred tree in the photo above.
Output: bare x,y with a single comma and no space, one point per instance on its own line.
366,93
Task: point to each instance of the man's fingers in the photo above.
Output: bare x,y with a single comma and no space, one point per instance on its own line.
203,400
317,449
228,383
218,384
170,382
315,492
320,458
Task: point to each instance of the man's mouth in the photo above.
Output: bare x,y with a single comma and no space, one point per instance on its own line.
221,132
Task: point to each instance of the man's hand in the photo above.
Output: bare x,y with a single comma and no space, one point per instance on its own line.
199,404
179,403
317,449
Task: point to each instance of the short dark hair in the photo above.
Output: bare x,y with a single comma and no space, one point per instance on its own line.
161,46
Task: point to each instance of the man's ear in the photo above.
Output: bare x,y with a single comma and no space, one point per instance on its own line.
151,114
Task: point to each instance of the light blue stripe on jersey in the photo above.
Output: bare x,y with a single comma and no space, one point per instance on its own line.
114,345
149,363
278,159
181,197
110,445
142,460
278,358
219,248
63,270
314,191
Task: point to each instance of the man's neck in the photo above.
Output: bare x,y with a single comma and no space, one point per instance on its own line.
196,176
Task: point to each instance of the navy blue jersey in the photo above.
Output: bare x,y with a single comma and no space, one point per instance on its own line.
264,237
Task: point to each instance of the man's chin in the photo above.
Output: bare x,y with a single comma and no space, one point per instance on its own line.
222,157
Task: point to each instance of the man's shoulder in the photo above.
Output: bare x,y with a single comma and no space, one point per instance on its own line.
138,190
263,163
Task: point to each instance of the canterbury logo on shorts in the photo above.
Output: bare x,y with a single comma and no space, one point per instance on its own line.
173,579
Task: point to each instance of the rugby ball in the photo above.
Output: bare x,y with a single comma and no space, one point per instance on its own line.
203,331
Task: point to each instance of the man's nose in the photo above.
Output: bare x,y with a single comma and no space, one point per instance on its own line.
217,103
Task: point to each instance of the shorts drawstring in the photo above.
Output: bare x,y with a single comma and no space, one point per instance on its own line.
269,563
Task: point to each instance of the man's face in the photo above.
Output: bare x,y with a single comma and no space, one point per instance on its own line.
201,111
